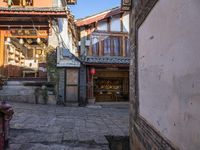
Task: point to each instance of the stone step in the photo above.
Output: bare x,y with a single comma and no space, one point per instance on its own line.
16,91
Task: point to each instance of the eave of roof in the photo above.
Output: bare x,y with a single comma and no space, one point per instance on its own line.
33,11
107,60
99,16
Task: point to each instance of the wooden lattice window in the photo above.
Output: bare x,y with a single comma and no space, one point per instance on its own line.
20,2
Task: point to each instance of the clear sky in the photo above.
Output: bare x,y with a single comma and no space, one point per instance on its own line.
85,8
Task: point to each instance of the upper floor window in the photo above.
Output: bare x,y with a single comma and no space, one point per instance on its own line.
116,45
127,46
107,46
102,25
20,2
95,46
115,23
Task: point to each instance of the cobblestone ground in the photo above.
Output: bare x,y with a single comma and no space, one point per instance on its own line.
48,127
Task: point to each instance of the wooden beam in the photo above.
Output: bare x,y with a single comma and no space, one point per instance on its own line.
32,14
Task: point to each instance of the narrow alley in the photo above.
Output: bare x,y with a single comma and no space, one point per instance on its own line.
42,127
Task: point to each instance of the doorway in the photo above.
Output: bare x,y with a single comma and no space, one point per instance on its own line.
72,84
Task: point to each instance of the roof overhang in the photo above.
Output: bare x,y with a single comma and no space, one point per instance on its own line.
33,12
98,17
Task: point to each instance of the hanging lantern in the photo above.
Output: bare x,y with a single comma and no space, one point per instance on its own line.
9,3
92,71
8,40
21,41
38,40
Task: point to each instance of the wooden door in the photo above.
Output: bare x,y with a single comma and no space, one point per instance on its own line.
72,84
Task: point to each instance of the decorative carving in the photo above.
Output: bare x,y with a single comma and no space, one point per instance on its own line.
71,2
126,5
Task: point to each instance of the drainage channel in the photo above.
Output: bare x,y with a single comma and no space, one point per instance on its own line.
118,142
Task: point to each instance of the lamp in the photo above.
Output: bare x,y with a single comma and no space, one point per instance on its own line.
37,56
21,41
8,40
92,71
38,40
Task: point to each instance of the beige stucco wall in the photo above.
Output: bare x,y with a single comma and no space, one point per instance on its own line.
169,71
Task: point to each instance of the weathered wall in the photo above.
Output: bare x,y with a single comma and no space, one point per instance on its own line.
169,71
61,84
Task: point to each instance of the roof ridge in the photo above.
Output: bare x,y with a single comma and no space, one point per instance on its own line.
94,15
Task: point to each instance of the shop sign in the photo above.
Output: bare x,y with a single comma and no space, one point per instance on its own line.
28,32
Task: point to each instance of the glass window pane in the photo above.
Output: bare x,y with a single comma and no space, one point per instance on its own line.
116,46
107,46
127,46
116,23
102,25
95,46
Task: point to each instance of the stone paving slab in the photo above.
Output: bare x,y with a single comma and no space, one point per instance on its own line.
51,127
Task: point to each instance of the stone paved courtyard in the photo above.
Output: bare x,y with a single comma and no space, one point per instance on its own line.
51,127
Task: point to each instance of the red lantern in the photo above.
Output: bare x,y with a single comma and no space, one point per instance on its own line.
92,71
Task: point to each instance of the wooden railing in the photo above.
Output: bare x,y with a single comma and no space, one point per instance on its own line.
108,44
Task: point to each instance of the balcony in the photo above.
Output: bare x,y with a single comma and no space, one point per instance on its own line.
109,45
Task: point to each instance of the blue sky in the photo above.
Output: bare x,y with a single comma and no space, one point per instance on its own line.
85,8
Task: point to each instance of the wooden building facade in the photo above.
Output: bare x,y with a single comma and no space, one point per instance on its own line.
104,50
25,27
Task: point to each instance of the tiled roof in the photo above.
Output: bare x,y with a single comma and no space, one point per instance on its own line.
30,9
98,17
33,11
107,60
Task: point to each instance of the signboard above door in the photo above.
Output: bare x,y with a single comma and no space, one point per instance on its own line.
28,32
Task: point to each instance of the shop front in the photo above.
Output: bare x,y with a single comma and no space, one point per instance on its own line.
24,40
109,84
24,53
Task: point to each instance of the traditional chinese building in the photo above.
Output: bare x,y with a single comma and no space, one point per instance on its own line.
164,74
104,51
27,29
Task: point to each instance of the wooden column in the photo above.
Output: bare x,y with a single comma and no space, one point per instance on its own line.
123,46
1,51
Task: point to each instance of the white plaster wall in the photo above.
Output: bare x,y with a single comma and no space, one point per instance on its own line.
125,21
169,71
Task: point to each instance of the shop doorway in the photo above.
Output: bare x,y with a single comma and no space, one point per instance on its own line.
25,57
